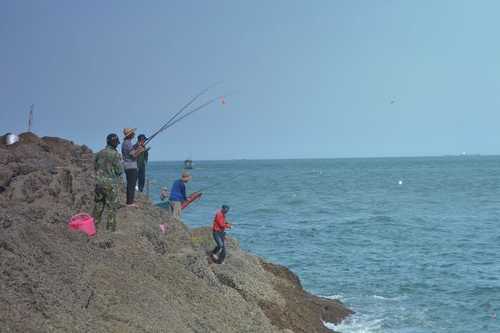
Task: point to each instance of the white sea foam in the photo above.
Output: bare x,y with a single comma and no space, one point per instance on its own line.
397,298
379,297
335,297
357,324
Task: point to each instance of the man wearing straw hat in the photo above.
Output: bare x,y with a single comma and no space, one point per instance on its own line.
130,163
178,194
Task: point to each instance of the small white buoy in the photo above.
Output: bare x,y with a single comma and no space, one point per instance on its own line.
400,182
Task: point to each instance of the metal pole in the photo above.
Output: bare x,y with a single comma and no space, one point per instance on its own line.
30,120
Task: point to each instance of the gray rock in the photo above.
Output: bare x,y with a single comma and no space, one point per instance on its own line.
136,279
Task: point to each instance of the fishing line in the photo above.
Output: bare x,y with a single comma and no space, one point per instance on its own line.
204,105
224,181
191,101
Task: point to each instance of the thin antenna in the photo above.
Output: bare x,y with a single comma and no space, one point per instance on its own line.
30,120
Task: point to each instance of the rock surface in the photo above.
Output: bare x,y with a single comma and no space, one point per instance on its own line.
136,279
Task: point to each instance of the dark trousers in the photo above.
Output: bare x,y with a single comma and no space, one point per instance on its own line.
220,249
131,175
141,178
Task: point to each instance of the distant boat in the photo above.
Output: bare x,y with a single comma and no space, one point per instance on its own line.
188,164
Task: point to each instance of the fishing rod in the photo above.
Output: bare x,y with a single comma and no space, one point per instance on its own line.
191,101
204,105
188,104
196,195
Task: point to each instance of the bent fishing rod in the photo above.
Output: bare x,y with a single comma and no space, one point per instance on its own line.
196,195
174,118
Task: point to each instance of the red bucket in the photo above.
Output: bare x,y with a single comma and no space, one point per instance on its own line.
83,222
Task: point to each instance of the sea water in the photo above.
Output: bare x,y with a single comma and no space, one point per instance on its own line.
412,245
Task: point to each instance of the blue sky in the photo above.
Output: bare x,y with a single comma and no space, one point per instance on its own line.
314,78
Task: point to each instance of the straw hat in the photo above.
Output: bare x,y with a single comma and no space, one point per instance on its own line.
185,175
129,131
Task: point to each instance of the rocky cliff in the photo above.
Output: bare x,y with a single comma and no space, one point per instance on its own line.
134,280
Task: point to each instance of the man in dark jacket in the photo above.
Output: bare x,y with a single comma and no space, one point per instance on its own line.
142,160
108,166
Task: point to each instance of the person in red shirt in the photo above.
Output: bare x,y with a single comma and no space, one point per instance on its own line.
219,233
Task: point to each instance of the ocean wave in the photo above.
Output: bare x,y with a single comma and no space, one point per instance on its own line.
324,210
485,291
335,297
357,324
379,297
294,201
383,219
313,172
397,298
264,211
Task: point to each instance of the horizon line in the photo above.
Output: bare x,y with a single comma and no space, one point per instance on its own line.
334,158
